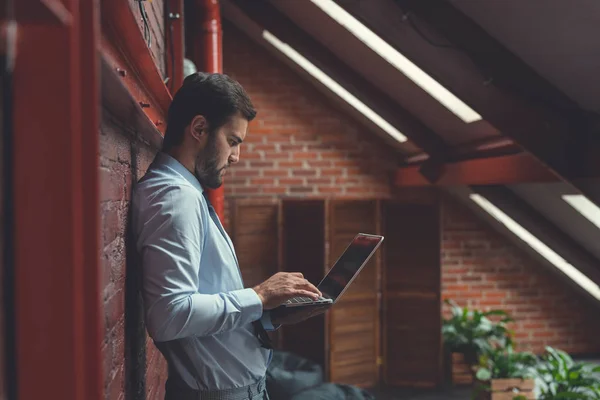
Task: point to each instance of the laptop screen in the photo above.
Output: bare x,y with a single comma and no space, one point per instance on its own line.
348,265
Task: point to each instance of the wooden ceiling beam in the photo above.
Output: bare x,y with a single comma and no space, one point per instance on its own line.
501,87
504,170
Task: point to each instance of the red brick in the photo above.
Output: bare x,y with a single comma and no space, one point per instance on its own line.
332,172
318,181
491,294
251,155
290,164
301,189
304,172
112,184
291,147
275,190
345,163
277,155
262,181
457,288
305,156
543,334
261,164
319,163
264,147
115,309
276,173
245,172
291,181
330,190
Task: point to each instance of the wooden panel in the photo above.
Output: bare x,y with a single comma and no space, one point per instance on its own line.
412,322
303,236
355,319
255,233
255,226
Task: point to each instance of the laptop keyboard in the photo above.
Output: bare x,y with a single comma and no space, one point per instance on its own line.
297,300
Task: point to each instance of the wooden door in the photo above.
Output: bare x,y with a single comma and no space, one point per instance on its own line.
354,321
411,294
255,232
303,249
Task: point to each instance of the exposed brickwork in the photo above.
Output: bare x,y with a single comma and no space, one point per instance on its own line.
299,145
123,158
483,269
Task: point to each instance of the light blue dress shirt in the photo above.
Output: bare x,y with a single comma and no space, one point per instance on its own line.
196,308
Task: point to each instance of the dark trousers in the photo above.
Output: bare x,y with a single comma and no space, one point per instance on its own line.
256,391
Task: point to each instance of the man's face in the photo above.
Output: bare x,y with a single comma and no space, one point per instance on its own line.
222,149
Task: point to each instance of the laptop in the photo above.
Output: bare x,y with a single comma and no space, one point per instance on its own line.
344,271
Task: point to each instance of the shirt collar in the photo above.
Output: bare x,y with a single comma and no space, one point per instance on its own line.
170,162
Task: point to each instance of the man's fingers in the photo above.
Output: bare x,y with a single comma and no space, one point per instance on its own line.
309,286
306,293
297,274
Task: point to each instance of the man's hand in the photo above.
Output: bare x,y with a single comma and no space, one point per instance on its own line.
293,315
283,286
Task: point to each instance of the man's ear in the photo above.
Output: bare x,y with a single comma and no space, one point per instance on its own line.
199,127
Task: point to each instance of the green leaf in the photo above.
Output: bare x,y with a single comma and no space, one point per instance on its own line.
483,374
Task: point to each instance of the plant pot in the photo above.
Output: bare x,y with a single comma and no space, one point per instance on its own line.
509,389
461,371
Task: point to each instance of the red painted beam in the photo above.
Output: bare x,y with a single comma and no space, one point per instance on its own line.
58,317
518,168
124,48
51,12
93,308
206,52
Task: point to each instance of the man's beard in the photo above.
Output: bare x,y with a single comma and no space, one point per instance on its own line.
207,168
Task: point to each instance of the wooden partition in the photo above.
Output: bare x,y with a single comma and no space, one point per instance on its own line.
355,319
304,250
411,290
387,326
255,232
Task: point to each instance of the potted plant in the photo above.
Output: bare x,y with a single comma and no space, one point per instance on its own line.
469,333
506,375
560,377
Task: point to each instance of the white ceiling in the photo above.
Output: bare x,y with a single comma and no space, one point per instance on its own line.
560,39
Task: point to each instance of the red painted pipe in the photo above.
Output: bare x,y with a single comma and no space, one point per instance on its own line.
207,54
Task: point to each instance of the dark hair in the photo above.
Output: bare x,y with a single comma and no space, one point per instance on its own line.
215,96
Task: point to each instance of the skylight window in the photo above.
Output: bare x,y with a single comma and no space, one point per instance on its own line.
403,64
573,273
584,206
335,87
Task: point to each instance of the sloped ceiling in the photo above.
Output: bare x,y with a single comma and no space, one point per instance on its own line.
559,39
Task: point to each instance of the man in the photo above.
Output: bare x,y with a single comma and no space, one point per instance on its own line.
210,329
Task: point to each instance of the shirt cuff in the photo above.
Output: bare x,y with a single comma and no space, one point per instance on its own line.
266,322
250,303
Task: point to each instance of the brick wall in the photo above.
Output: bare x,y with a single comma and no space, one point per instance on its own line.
483,269
132,363
299,145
